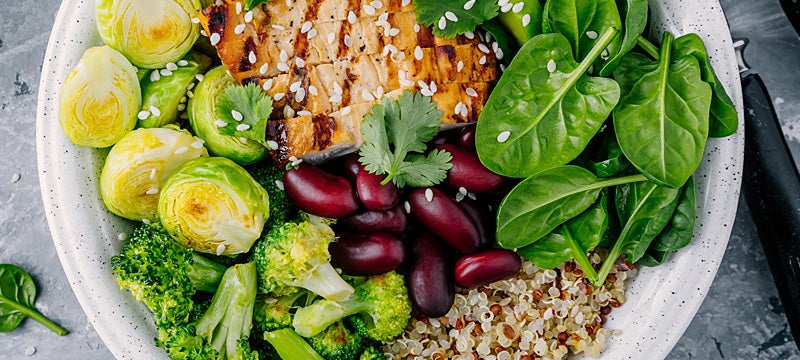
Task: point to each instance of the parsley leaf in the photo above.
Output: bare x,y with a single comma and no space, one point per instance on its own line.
395,133
243,111
448,18
250,4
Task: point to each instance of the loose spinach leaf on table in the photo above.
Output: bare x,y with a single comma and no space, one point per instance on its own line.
724,120
662,120
572,240
645,209
17,294
540,203
544,110
582,22
634,24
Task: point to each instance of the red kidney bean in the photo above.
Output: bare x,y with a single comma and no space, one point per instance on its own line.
372,194
467,137
483,219
429,277
367,255
391,221
468,171
444,217
351,166
320,193
486,267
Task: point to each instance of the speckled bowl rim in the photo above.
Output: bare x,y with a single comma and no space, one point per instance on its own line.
661,302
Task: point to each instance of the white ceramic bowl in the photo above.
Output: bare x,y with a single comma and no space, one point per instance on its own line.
661,302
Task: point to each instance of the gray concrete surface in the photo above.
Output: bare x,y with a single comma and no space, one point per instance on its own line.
740,319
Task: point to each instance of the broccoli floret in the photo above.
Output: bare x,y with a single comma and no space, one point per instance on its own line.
337,342
163,274
381,301
291,346
271,314
295,255
270,176
243,351
181,342
372,353
225,326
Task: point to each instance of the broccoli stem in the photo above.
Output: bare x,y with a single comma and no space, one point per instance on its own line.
205,274
326,282
230,315
312,320
290,346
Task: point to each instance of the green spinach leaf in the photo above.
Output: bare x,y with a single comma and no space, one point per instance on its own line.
653,258
540,203
523,24
680,229
635,22
662,120
645,208
582,22
544,110
572,240
605,159
724,119
508,45
17,294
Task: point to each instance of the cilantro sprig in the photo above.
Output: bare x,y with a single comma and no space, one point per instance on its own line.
449,18
395,133
243,111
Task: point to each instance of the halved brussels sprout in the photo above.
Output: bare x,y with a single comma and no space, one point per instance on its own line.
139,164
203,119
214,206
100,99
150,33
164,92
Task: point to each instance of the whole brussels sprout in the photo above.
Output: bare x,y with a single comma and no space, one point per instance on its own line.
151,33
100,99
203,119
139,164
214,206
164,96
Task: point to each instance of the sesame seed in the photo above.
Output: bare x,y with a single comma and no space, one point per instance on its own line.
278,183
203,33
369,10
299,62
394,32
483,48
304,113
469,4
462,190
351,17
243,140
337,89
155,76
278,27
183,100
282,66
288,112
279,96
384,18
236,115
306,27
144,114
181,107
238,29
284,56
199,77
406,2
426,92
197,145
464,111
182,63
335,99
378,92
152,174
591,34
429,195
15,178
300,95
155,111
459,198
469,35
221,247
423,85
418,54
252,57
451,16
442,23
348,41
460,66
506,8
471,92
604,54
502,2
122,236
417,28
551,65
503,136
526,19
151,191
376,4
248,16
171,66
346,110
181,150
407,207
242,127
268,84
272,144
214,39
195,20
312,34
499,54
189,94
458,107
367,96
518,7
295,86
331,38
482,61
263,69
220,123
147,221
165,72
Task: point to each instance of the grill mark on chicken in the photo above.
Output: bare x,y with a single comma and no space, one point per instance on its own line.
217,18
324,126
244,62
276,130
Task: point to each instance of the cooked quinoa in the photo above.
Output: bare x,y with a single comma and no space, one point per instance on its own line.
539,314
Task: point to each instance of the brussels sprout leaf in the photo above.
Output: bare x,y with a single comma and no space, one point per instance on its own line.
449,18
250,4
17,293
244,111
406,123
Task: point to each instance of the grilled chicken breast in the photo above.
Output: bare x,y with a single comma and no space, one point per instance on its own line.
325,63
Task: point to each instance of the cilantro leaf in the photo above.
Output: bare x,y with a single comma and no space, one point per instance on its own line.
243,111
448,18
250,4
395,133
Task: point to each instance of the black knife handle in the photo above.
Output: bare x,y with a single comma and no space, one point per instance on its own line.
772,190
792,10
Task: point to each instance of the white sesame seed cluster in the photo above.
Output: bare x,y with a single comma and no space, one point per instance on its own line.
540,314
